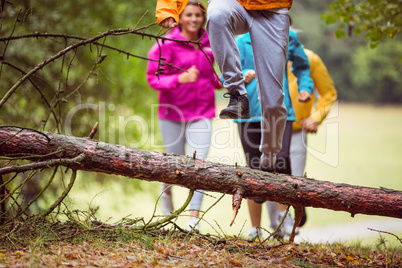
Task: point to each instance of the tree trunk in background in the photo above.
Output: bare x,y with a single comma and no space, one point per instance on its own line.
196,174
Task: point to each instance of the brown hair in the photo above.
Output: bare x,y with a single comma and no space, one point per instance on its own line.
196,3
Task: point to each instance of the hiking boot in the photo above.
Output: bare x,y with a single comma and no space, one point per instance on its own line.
237,108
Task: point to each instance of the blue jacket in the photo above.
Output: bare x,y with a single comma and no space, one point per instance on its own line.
300,67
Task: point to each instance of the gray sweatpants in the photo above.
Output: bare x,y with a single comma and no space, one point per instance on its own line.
298,152
185,138
269,32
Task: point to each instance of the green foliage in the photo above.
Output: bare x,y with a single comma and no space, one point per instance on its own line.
376,19
339,55
374,69
77,86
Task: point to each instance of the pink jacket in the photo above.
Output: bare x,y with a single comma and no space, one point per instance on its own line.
183,102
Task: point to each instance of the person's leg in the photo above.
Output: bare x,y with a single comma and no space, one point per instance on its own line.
254,210
227,18
273,214
174,140
198,140
283,166
250,137
298,152
283,163
269,37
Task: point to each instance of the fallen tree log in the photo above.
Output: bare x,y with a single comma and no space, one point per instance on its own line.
54,149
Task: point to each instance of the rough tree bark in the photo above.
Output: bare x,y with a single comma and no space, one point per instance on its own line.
195,174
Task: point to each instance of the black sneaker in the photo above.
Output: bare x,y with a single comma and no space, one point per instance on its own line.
238,106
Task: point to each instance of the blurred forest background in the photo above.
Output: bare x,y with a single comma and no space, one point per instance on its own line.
97,84
361,74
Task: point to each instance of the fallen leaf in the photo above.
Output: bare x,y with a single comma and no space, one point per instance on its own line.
162,250
18,254
339,263
235,263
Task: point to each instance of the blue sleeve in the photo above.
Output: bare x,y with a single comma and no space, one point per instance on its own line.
301,64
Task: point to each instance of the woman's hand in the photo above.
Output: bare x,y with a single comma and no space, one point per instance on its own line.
168,23
190,76
249,76
310,125
304,96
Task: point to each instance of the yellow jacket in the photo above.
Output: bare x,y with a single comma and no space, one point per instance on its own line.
173,8
324,86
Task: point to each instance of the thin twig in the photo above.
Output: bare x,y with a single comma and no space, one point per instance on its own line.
202,216
37,89
93,131
210,63
38,195
22,129
25,156
63,195
44,164
168,218
277,228
8,41
15,227
379,231
72,47
21,184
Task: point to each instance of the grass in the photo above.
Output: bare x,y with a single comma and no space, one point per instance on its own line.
365,151
73,244
369,147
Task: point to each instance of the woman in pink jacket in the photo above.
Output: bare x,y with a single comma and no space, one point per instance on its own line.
186,98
